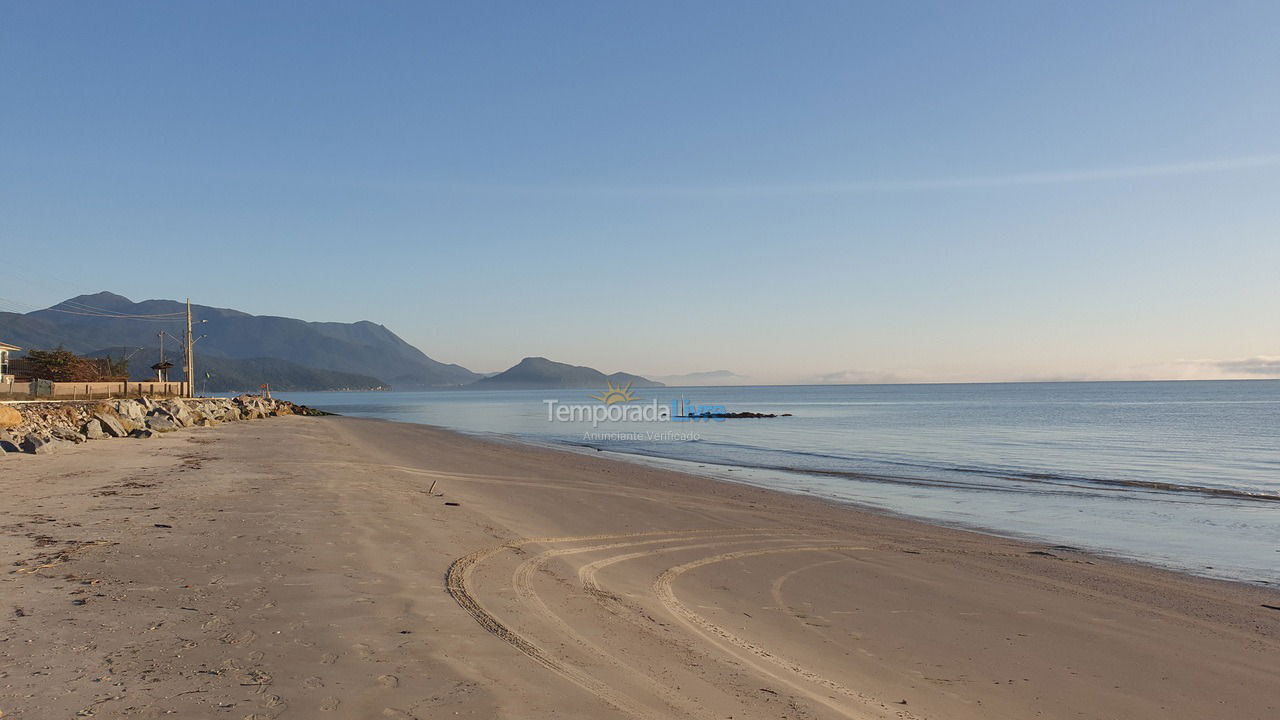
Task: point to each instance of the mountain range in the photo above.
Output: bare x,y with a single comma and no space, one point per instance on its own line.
99,323
223,374
240,351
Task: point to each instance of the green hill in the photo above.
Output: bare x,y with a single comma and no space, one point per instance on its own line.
89,323
220,374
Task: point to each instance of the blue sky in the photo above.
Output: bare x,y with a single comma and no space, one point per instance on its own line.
792,191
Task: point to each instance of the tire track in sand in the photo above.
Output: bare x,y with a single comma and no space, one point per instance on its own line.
522,582
457,584
665,498
794,675
775,592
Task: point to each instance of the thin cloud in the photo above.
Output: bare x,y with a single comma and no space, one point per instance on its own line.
972,182
1258,367
1055,177
1261,365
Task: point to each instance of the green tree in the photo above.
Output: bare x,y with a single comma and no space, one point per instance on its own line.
59,365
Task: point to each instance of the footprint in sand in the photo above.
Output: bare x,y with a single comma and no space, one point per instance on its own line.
312,683
395,714
245,638
213,623
330,703
274,701
328,658
364,651
390,681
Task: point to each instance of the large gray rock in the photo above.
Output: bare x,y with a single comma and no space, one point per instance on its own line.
131,410
161,423
111,424
162,413
93,430
135,410
62,432
177,412
142,434
36,445
8,443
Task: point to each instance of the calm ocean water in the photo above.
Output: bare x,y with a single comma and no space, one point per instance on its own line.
1180,474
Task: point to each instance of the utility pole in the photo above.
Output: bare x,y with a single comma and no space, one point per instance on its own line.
191,357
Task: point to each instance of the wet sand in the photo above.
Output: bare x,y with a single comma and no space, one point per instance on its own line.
302,567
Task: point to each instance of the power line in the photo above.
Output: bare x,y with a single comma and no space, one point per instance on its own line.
15,306
91,308
176,317
88,310
83,309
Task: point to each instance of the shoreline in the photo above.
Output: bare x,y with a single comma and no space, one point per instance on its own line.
1108,554
691,467
1069,466
296,565
679,466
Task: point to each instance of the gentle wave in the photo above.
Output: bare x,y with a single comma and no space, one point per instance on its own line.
1058,480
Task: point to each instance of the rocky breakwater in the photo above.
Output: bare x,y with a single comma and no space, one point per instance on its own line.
42,427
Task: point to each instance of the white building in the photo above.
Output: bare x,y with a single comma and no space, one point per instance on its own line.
5,349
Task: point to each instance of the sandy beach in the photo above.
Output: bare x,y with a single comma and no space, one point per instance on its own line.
306,567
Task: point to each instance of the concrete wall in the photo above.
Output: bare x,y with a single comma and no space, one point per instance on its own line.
88,391
11,390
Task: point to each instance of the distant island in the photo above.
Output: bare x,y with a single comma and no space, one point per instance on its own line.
534,373
700,379
708,415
